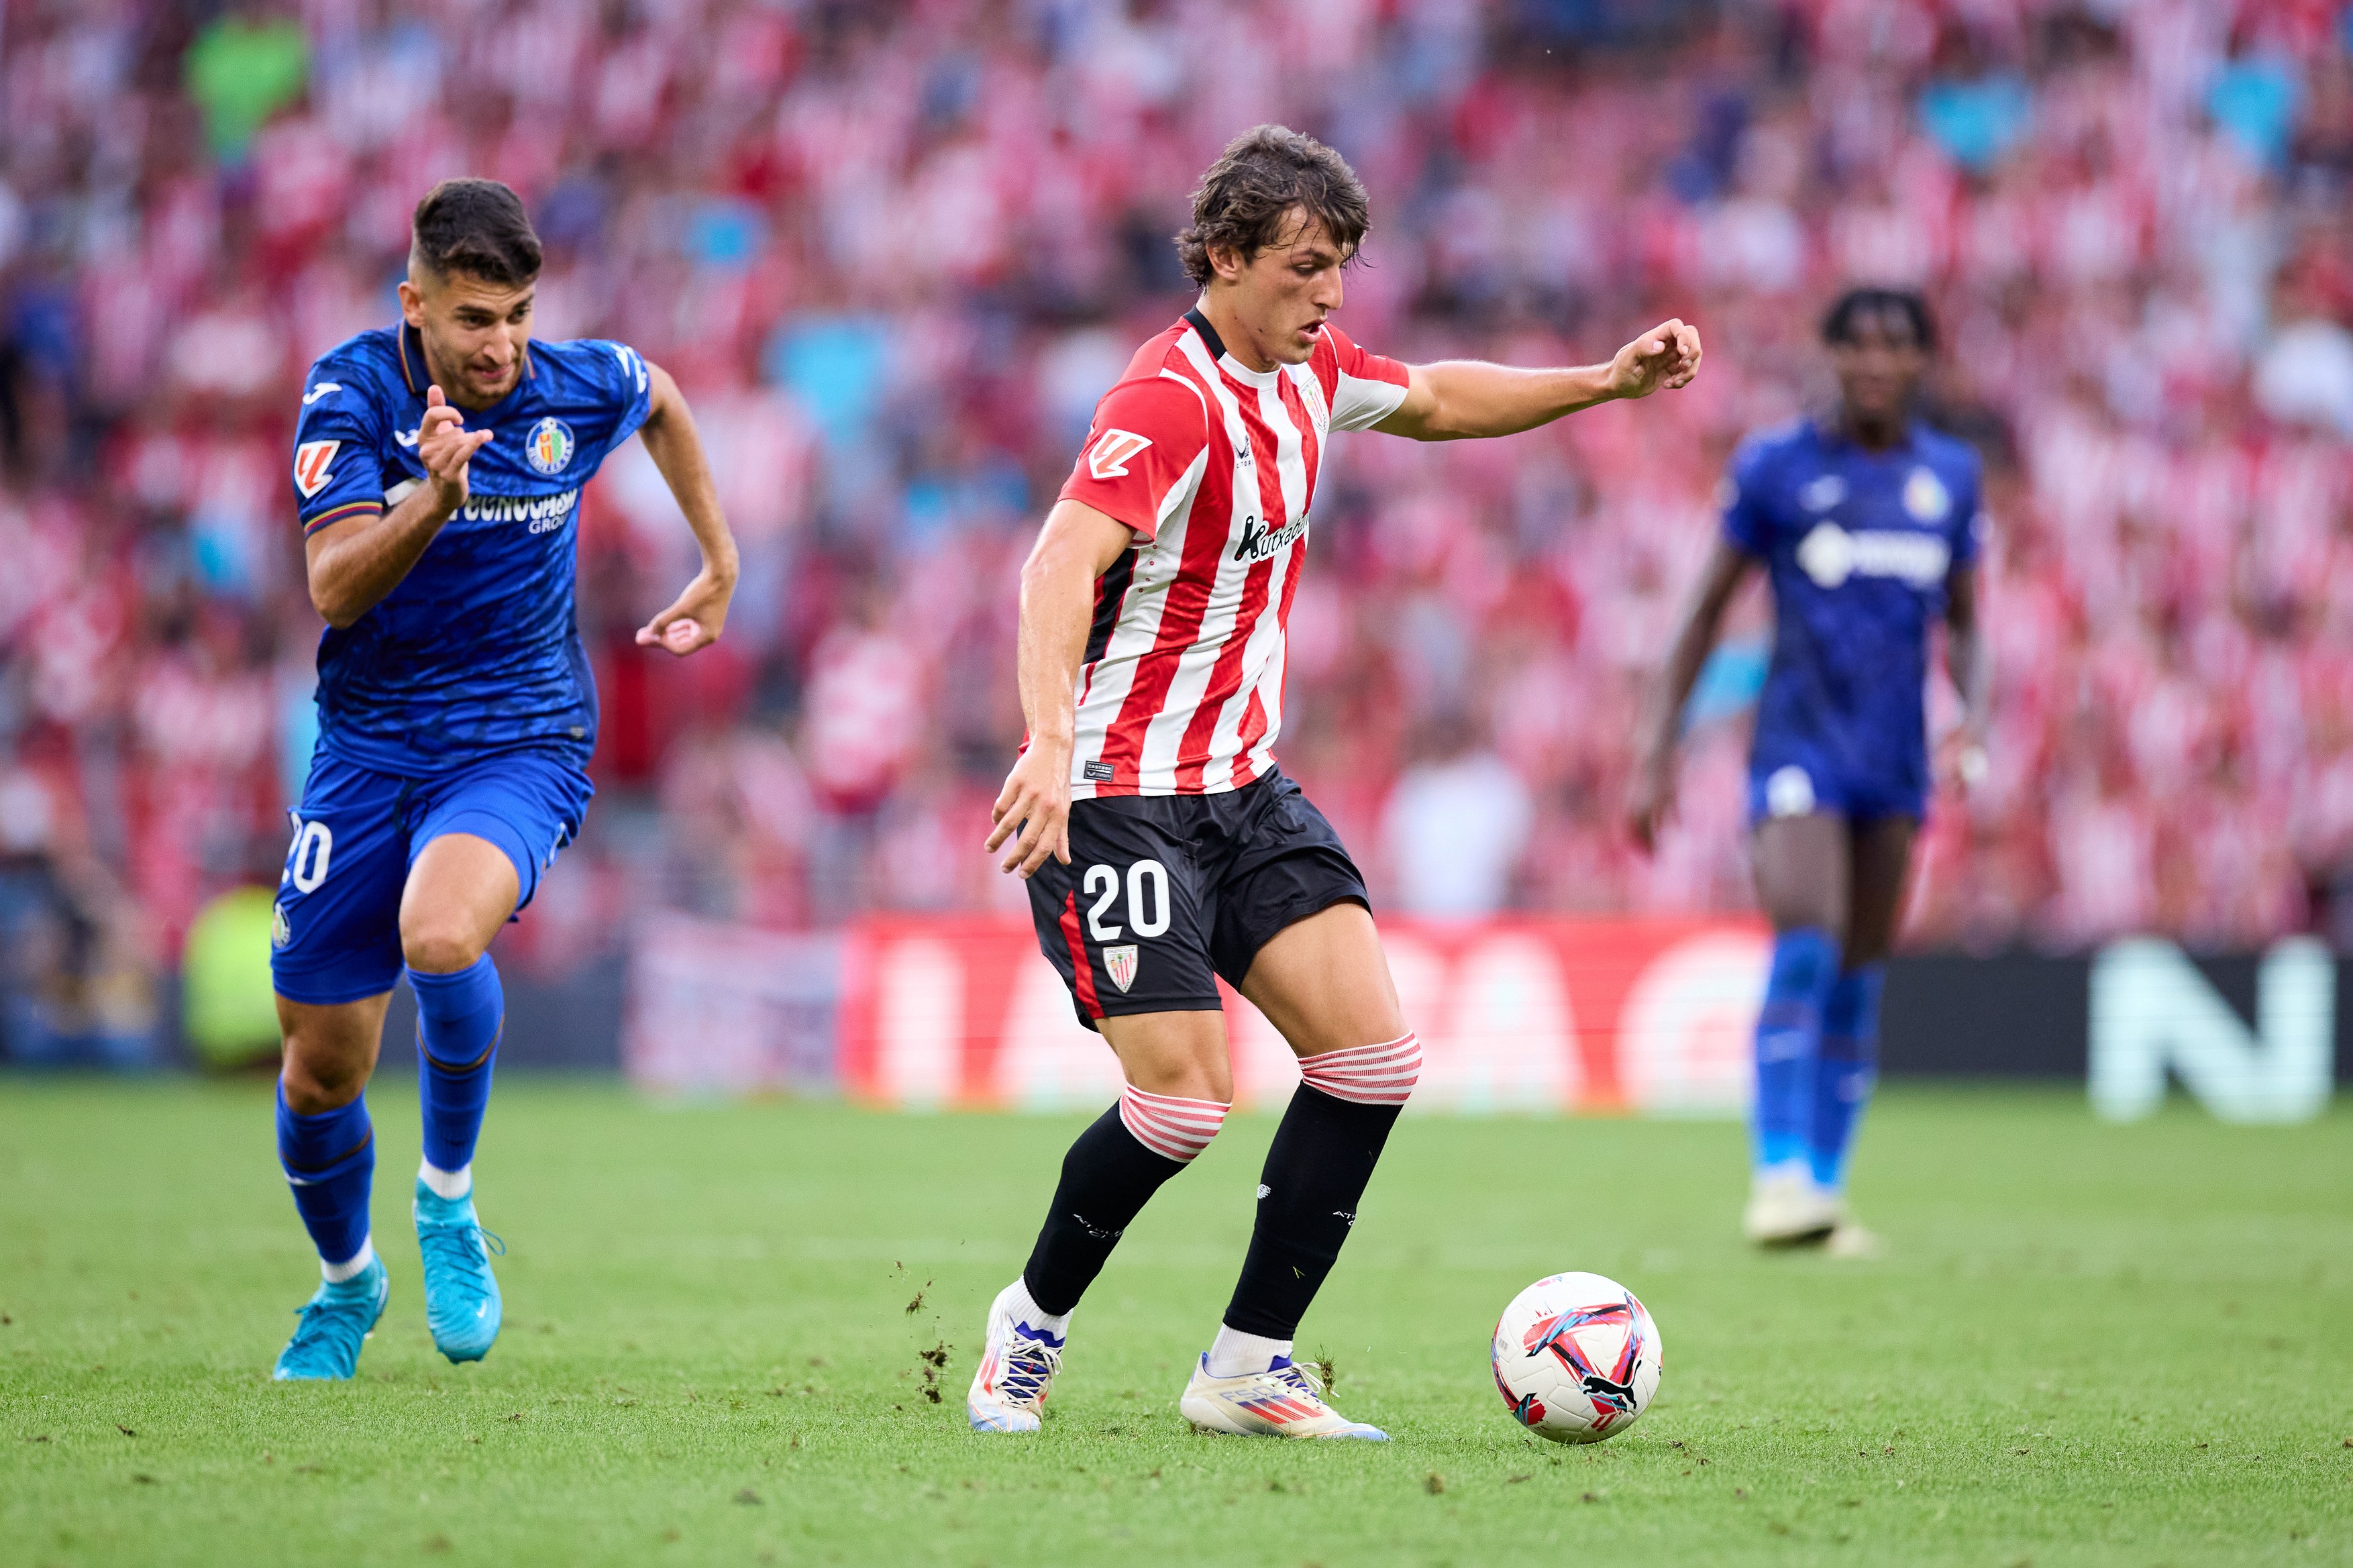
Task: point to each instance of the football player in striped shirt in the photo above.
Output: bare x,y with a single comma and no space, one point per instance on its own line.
437,470
1865,522
1164,848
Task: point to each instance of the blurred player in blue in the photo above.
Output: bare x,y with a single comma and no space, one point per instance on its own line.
1866,524
437,471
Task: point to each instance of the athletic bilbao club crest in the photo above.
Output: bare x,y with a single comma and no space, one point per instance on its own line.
1119,963
550,445
310,462
1311,392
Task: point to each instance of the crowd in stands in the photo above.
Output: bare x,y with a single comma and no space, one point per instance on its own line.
894,251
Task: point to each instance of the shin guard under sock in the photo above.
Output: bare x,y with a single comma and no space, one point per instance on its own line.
1315,1174
330,1163
1844,1075
1108,1176
458,1019
1789,1042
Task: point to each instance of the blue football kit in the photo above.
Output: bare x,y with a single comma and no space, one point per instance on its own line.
461,702
1857,545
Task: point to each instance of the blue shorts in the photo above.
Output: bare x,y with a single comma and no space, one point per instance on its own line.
336,935
1784,788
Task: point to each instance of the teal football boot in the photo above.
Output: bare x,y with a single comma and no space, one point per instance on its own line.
326,1342
461,1298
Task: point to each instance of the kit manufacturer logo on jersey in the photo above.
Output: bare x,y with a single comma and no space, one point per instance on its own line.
1108,458
310,462
550,445
320,391
1821,494
1101,773
1119,963
1925,497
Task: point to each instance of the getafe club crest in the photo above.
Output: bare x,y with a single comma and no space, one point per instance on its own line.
1925,497
550,445
1119,963
281,930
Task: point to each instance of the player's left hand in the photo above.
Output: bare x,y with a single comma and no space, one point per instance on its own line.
694,618
1962,759
1667,355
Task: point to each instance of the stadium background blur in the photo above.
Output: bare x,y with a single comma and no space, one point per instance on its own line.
893,252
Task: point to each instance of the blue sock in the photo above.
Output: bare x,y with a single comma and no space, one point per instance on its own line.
1789,1042
458,1019
330,1162
1848,1068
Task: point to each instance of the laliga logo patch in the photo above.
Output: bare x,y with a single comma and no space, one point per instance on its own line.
1108,458
311,461
1119,963
1925,498
550,445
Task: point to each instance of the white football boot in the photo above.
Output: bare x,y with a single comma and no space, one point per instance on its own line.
1284,1400
1853,1242
1017,1369
1786,1209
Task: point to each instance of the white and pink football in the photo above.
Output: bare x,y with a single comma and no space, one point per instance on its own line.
1576,1358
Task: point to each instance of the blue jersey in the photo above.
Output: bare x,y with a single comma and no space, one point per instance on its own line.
476,651
1857,545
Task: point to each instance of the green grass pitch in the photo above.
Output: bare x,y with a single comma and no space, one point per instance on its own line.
2088,1344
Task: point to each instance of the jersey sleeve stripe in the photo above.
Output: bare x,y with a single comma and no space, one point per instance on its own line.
334,514
1188,382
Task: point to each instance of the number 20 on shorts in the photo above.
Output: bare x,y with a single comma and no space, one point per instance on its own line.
1148,898
306,857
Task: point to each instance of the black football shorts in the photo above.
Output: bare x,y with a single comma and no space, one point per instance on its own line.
1164,893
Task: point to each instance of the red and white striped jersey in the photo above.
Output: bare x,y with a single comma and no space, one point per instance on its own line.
1213,465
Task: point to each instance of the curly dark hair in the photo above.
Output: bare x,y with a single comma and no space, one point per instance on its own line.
477,228
1261,175
1840,325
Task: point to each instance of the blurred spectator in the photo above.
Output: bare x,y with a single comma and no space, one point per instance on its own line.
243,68
894,251
1456,823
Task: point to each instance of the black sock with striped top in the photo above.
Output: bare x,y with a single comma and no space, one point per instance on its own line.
1108,1176
1315,1174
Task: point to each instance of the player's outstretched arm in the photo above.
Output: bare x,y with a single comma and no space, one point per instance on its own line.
695,618
1653,798
1032,814
1961,755
1454,400
355,562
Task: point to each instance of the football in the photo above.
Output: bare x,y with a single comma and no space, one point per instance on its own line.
1576,1358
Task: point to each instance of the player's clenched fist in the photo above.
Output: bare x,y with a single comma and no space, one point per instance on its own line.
1667,355
1033,810
445,447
